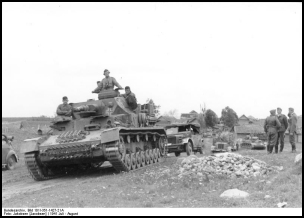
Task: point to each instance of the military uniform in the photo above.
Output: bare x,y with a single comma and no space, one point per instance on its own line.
107,83
292,130
131,100
64,110
281,133
271,126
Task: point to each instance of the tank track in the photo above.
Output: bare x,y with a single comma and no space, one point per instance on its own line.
34,168
118,162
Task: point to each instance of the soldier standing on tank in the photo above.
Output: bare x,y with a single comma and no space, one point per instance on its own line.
130,98
107,83
271,126
292,129
64,109
281,133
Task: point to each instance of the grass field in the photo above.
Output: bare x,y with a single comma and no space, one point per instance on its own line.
154,186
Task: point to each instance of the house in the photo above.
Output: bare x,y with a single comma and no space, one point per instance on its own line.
242,131
243,120
192,114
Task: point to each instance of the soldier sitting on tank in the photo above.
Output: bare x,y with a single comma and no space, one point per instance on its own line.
64,110
107,83
130,98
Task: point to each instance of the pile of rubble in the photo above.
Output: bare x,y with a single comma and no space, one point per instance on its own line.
229,164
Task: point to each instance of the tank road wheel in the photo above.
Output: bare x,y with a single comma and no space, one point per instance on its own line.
138,160
154,156
11,163
143,158
189,148
147,157
133,161
151,156
127,161
122,148
161,146
158,155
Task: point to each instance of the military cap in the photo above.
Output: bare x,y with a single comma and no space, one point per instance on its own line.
292,109
272,111
279,108
98,81
64,98
105,71
127,87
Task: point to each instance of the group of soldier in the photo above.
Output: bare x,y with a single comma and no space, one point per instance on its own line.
106,83
275,127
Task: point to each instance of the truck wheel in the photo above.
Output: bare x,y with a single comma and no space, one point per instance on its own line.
177,154
189,148
11,163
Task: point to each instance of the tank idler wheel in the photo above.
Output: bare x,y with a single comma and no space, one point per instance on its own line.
127,161
138,160
147,157
151,156
133,161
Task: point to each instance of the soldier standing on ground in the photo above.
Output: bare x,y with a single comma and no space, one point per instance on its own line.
271,126
64,109
281,133
107,83
292,129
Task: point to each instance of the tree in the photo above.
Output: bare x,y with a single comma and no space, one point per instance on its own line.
201,120
171,113
229,117
211,118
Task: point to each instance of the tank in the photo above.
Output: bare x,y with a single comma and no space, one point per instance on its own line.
98,130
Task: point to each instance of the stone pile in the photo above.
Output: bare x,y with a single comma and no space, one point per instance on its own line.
229,164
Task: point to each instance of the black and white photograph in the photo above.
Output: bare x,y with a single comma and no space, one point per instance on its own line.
152,108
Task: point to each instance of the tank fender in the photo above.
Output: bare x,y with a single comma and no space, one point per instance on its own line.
29,145
11,153
109,135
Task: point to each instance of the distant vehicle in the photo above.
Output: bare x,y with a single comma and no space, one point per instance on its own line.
224,144
184,138
253,143
9,156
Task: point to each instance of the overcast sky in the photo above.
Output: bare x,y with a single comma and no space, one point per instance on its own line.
247,56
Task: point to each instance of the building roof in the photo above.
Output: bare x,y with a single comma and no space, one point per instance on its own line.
243,117
247,129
